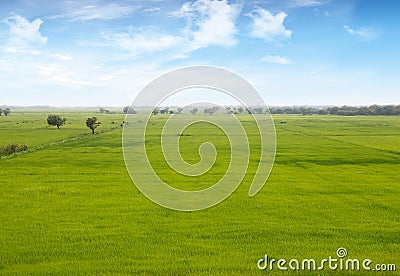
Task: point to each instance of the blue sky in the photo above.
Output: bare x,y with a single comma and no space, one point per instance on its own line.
295,52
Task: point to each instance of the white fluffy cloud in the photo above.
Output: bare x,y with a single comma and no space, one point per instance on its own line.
23,34
276,59
364,32
138,41
210,22
267,26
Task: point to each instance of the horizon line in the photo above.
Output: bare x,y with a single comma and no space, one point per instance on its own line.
227,105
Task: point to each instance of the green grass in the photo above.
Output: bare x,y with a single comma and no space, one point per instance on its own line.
70,207
31,128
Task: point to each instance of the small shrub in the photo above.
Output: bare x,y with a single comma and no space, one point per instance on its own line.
12,148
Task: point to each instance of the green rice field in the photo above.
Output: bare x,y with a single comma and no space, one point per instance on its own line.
68,205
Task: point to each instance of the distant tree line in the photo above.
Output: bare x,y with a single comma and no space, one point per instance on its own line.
345,110
372,110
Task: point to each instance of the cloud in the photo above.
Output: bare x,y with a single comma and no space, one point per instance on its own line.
71,76
138,41
307,3
363,32
267,26
152,9
61,57
23,35
276,59
105,11
6,66
210,22
93,10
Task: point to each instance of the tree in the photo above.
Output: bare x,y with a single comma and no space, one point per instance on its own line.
332,110
372,110
1,111
92,123
194,110
6,111
55,120
258,110
129,110
210,110
165,110
179,110
103,110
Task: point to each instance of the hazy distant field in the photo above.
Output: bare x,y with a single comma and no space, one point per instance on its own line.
69,206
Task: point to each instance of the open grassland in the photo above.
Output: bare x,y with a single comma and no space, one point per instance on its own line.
31,128
69,206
